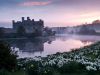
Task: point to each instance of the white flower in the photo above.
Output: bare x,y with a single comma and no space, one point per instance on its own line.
91,68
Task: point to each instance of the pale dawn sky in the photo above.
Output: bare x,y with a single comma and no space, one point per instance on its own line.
53,12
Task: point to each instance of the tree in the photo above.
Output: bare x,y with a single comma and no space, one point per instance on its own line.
86,30
21,31
96,22
8,59
49,31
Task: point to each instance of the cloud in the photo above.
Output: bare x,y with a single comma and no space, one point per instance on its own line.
35,3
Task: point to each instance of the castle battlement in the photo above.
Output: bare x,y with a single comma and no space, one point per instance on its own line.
27,20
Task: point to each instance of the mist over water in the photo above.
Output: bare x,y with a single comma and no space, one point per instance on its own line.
51,45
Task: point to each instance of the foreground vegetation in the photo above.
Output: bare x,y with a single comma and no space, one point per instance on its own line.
82,61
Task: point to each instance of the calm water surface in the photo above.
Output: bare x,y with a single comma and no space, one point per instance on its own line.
51,45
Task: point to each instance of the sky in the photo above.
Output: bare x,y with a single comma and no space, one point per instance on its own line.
53,12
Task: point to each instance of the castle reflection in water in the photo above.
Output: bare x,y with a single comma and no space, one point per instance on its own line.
30,45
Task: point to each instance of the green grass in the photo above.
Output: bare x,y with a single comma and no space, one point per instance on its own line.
18,73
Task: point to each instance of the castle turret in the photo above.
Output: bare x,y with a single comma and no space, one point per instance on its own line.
41,22
13,21
28,18
32,20
22,19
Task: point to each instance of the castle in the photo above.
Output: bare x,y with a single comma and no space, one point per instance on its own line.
29,25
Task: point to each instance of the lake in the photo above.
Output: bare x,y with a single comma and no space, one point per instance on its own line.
50,45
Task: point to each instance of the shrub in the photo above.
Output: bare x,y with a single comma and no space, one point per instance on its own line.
8,59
